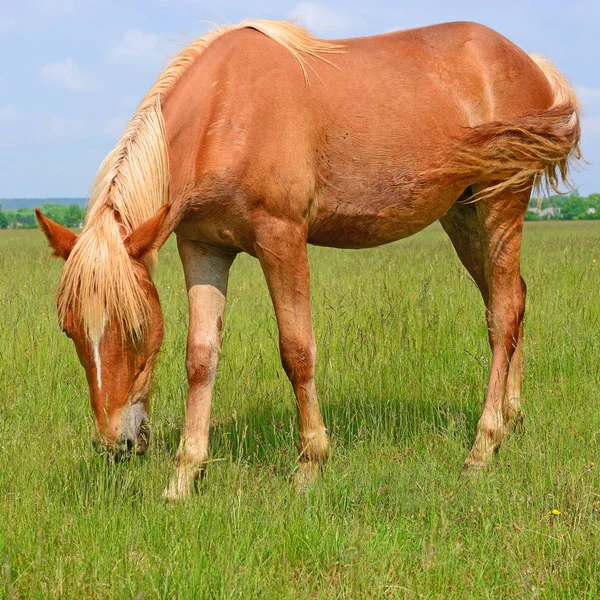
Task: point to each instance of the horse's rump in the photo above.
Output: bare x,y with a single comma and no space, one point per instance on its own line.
512,154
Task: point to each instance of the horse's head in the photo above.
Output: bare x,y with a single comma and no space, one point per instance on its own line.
117,363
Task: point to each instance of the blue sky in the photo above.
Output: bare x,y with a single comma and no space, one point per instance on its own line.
72,71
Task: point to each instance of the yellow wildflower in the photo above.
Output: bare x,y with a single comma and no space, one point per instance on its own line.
555,512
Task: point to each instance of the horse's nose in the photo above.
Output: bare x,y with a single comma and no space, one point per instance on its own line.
129,444
119,451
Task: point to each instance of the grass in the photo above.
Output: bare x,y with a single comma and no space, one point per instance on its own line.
402,365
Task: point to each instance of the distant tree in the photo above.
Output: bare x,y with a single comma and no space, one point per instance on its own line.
74,216
68,215
531,216
3,219
11,217
574,207
25,218
594,202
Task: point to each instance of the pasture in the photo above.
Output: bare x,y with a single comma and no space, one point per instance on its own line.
402,366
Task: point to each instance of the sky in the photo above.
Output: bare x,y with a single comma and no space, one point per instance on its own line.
73,71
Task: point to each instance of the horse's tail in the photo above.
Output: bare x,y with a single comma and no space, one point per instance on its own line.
538,148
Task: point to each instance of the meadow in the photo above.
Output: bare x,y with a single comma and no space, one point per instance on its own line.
402,366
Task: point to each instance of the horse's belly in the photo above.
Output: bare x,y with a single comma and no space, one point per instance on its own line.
347,230
364,223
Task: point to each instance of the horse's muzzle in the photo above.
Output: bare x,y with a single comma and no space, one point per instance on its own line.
135,436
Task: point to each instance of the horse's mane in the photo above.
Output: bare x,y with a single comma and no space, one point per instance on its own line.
132,184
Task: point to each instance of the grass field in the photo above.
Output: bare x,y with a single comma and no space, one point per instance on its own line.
402,364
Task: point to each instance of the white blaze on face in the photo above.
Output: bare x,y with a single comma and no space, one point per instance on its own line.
98,362
96,348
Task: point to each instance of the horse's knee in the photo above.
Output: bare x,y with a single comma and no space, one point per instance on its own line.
202,359
298,359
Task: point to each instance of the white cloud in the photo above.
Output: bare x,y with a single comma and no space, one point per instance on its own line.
8,113
68,74
67,128
319,18
138,47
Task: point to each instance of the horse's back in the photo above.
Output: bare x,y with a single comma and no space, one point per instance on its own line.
344,149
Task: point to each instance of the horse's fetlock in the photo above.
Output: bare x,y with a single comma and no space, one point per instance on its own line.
314,447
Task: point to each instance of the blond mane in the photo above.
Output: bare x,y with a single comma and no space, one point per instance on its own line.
133,183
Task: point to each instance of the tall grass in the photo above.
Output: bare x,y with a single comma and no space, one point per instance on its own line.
402,364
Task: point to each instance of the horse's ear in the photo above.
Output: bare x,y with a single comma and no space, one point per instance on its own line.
147,236
60,238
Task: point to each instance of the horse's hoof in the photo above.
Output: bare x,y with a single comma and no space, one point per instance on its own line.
306,475
472,469
519,426
182,486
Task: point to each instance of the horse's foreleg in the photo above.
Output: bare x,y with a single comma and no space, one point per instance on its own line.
206,275
281,249
502,223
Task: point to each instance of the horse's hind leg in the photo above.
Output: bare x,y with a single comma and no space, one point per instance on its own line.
463,227
502,223
487,238
512,397
206,275
281,250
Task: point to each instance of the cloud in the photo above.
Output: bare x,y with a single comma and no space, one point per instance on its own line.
319,18
8,113
67,128
138,47
68,74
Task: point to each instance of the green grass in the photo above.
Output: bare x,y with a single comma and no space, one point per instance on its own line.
402,364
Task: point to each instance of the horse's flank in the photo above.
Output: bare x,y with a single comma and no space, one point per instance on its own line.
133,183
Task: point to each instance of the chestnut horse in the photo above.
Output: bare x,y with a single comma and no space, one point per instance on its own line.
259,138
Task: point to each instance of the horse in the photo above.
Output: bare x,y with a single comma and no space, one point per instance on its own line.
261,138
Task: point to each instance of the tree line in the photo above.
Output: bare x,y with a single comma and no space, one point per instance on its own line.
558,208
564,208
69,215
